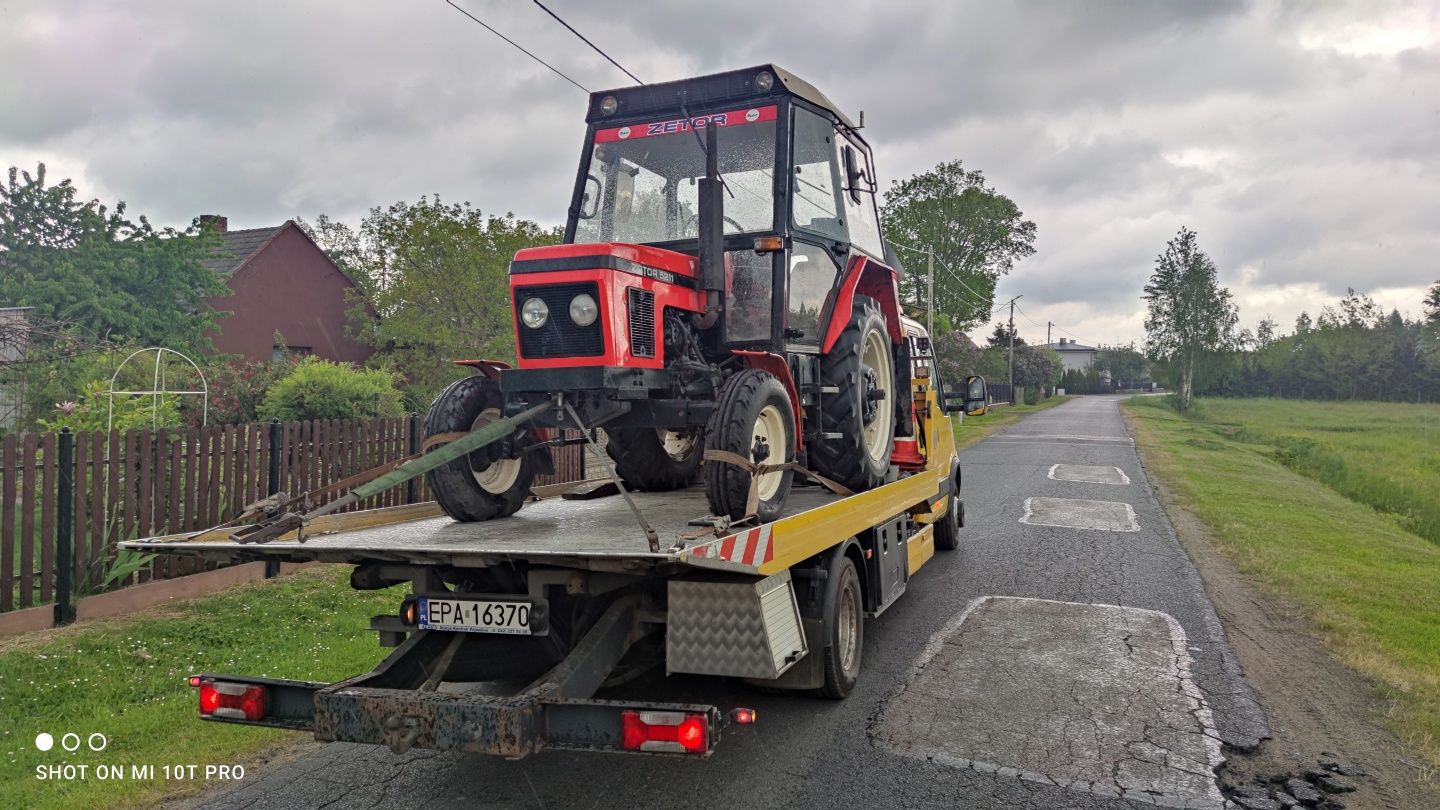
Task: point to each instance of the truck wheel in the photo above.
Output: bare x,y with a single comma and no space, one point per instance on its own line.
753,419
862,411
655,460
847,633
947,530
478,486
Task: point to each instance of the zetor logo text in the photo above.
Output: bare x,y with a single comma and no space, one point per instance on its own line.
679,125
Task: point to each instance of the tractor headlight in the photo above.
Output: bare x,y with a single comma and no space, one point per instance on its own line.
608,105
534,313
764,80
583,310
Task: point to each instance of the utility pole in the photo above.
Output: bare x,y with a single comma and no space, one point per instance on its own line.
1012,347
930,294
1047,332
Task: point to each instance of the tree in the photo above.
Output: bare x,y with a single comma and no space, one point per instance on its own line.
1190,314
436,274
976,233
1036,367
1000,337
1123,362
88,266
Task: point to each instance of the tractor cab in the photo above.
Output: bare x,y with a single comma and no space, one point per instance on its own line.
721,293
798,189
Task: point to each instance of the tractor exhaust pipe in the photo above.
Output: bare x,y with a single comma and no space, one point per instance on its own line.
710,213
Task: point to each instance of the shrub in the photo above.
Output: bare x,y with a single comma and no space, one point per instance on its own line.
320,389
93,411
237,390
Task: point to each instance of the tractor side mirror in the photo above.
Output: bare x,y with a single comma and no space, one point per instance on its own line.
853,173
590,201
976,397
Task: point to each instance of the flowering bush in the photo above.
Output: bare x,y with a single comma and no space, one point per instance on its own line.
93,411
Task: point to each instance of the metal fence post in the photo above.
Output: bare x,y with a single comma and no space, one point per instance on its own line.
272,485
412,487
64,528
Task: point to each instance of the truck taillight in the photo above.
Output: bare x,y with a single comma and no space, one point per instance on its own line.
664,732
232,701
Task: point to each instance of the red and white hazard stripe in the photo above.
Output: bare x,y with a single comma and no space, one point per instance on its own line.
751,547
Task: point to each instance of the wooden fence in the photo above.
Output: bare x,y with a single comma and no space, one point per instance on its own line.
140,483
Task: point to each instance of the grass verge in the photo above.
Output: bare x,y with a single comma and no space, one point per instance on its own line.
125,678
972,429
1367,583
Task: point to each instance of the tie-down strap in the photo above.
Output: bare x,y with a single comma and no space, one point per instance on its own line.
752,500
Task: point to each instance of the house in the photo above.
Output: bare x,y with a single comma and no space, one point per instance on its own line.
1073,356
282,284
14,347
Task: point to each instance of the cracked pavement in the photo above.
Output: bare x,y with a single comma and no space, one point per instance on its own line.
805,752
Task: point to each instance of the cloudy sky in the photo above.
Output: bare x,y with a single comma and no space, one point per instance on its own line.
1301,140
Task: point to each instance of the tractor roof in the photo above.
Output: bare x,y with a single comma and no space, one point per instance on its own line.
706,91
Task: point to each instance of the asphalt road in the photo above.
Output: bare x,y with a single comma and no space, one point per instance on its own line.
947,714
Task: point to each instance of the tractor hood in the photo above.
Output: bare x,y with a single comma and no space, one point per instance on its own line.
640,260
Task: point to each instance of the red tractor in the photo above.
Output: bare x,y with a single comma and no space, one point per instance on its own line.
723,286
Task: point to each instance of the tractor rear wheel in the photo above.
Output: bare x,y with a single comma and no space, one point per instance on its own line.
487,483
755,420
862,411
655,460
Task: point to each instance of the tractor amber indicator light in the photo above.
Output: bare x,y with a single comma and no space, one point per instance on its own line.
768,244
664,732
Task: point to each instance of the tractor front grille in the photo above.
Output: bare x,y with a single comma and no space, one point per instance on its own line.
642,322
560,336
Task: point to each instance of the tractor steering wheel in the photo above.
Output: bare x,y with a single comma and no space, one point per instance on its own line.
695,220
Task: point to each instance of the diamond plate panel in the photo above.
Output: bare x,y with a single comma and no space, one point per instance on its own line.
744,629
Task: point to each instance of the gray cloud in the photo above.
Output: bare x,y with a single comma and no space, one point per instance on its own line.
1301,140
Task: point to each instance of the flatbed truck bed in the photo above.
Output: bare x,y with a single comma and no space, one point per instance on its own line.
569,595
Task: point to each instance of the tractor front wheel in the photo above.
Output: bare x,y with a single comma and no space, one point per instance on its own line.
754,420
490,482
655,460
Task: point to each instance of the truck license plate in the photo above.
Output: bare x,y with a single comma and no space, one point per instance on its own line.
475,616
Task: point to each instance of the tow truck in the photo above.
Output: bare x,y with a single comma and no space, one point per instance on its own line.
767,574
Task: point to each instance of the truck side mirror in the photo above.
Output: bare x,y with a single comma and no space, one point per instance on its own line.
976,397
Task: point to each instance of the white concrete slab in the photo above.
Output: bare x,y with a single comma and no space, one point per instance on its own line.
1088,473
1095,698
1074,513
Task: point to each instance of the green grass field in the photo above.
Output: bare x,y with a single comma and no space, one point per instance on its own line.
126,678
1267,478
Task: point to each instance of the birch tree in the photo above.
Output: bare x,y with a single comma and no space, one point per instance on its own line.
1190,314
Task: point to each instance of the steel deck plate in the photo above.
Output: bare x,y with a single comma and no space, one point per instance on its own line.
553,527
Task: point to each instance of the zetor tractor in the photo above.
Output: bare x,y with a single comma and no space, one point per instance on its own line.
723,286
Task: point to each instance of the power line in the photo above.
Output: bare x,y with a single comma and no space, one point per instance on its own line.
977,297
553,69
1056,325
588,42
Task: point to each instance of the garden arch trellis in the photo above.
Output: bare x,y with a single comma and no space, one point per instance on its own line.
157,388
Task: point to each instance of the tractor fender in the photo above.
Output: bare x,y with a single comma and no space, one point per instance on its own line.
865,276
775,364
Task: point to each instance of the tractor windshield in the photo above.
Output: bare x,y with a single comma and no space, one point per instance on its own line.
640,180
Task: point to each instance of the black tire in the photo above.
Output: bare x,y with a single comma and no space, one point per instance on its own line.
947,530
457,486
842,655
644,463
734,426
848,458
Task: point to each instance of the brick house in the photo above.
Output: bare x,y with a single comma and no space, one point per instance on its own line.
281,283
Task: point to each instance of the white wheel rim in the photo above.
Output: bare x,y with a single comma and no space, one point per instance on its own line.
770,428
678,444
499,476
876,355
